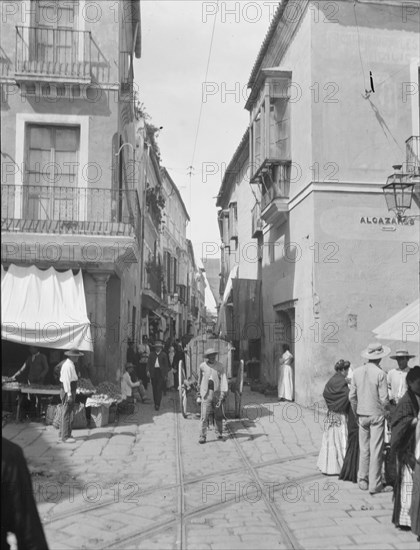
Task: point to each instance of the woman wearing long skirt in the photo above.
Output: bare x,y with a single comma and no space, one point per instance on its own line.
403,447
334,439
285,378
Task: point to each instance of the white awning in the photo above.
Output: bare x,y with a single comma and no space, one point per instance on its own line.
403,326
44,308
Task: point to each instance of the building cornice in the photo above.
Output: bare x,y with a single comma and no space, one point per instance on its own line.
288,29
374,188
178,194
233,169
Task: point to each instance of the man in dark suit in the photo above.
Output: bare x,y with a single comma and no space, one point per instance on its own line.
157,368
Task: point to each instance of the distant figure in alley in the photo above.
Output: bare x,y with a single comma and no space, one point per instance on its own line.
285,375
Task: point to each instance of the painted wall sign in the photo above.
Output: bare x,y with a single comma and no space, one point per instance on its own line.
387,221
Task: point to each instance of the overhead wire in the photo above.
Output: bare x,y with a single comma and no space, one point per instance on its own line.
358,44
191,167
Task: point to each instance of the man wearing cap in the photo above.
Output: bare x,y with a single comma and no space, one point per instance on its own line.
396,377
157,368
68,379
369,401
213,389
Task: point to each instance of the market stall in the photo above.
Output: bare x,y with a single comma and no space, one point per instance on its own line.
44,308
100,403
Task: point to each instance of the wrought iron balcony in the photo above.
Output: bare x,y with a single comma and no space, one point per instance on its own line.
74,210
182,293
59,55
275,198
257,223
154,283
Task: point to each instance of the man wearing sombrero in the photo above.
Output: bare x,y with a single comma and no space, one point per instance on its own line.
68,379
213,389
396,377
369,401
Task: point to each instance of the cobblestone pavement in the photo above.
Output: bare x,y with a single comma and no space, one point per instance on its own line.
146,483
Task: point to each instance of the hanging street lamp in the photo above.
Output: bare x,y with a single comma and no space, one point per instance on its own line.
398,192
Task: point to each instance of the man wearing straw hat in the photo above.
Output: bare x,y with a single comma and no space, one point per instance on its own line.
396,377
213,389
68,379
369,401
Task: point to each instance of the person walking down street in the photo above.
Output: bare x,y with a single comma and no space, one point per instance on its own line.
179,356
213,386
171,358
68,379
285,375
334,439
35,369
157,367
369,401
403,447
19,514
143,353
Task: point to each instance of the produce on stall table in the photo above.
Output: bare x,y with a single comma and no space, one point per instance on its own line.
109,389
85,386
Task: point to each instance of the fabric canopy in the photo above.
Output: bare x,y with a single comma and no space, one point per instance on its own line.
403,326
247,310
44,308
224,319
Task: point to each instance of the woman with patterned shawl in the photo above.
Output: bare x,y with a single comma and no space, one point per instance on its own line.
402,451
334,441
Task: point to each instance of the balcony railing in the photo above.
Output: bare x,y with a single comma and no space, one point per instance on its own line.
44,209
62,54
257,223
280,189
182,293
154,283
413,155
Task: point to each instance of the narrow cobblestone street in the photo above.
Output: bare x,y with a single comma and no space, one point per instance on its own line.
145,482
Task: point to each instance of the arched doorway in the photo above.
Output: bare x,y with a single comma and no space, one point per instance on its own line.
285,333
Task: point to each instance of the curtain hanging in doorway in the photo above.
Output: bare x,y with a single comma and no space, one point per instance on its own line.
246,297
44,308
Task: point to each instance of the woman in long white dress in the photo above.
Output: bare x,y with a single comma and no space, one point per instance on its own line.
285,378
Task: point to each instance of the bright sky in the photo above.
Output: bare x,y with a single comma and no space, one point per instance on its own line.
176,37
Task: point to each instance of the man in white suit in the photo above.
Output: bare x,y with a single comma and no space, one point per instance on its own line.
213,389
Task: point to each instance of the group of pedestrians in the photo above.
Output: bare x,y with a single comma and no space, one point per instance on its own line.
154,362
364,406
